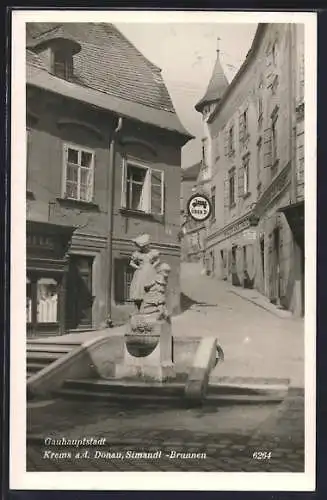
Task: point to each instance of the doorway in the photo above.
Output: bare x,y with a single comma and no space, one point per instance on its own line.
79,292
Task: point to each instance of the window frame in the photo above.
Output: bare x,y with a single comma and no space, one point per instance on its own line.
79,149
130,161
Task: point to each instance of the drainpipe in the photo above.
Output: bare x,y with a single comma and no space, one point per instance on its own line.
111,206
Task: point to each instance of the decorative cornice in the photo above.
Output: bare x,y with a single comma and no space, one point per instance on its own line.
232,228
274,190
62,122
139,142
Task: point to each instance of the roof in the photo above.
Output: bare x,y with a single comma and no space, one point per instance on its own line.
216,87
192,172
249,57
109,64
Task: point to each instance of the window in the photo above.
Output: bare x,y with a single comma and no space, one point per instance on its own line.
260,109
274,53
244,126
231,188
78,173
231,140
274,140
63,64
142,188
213,203
246,175
259,150
204,153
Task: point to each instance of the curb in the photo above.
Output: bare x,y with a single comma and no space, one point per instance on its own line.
275,312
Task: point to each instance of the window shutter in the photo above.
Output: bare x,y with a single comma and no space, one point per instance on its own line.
267,148
157,192
240,181
64,171
123,183
90,181
241,127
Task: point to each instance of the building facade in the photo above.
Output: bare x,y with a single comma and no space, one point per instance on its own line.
192,233
101,132
257,155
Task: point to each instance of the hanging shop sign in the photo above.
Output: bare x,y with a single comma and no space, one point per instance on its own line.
199,207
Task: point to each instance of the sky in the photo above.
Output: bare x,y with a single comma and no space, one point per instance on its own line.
186,53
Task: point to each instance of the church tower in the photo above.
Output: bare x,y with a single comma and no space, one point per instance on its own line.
216,88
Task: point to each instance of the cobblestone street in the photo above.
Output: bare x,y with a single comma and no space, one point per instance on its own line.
239,438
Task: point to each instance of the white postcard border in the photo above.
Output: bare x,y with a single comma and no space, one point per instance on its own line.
19,478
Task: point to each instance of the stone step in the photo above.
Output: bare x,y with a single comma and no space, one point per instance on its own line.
243,399
44,356
35,366
248,389
56,343
125,387
61,349
114,397
117,390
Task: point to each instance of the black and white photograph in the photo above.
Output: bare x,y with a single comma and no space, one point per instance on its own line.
163,264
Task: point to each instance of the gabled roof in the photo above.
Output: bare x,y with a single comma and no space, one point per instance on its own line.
110,64
192,172
217,85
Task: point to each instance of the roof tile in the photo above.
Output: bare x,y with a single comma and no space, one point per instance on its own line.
108,62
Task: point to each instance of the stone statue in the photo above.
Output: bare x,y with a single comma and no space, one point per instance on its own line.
148,337
154,300
144,261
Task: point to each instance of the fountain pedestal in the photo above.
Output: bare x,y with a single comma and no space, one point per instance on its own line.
148,352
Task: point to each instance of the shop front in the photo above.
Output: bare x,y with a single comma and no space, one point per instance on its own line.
46,268
294,214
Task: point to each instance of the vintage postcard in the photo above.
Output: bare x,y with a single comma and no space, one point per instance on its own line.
163,265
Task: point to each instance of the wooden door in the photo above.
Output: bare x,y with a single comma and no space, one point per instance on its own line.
79,292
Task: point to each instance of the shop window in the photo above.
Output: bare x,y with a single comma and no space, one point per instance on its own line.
47,301
42,301
142,188
123,278
78,173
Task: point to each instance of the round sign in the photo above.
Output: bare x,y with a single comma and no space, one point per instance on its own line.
199,207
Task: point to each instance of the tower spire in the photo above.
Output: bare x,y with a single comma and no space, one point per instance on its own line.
217,84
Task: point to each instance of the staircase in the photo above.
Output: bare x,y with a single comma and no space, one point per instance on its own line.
43,352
